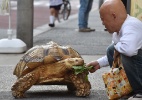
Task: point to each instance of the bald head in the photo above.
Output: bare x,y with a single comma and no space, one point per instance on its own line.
113,14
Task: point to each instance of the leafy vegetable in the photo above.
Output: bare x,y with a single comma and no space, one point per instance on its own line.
80,69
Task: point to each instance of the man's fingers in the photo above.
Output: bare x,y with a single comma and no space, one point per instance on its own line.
94,68
97,67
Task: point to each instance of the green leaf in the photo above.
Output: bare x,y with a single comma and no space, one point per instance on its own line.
86,78
81,69
78,69
90,67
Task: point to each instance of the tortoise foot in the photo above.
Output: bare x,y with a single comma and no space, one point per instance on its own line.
23,84
18,94
84,90
82,85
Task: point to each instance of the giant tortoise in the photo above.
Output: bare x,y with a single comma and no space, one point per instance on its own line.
50,64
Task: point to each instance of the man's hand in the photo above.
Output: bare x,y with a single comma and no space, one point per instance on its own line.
95,65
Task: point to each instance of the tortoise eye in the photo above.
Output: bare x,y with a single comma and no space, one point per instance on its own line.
76,60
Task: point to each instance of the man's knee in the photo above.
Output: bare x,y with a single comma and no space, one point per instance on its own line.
110,52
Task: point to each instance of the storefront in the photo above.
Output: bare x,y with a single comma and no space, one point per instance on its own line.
136,9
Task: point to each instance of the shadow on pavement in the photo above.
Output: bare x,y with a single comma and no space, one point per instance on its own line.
55,95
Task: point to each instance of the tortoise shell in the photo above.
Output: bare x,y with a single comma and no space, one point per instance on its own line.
44,54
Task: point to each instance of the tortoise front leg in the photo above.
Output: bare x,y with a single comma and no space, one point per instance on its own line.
82,85
23,84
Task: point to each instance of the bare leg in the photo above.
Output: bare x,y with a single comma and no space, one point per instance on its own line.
57,15
52,17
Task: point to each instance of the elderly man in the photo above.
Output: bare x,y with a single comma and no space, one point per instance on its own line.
127,40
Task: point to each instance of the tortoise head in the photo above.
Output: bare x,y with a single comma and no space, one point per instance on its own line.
74,61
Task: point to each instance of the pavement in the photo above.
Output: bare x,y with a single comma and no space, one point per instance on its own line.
91,45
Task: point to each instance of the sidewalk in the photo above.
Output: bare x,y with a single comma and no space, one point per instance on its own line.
91,46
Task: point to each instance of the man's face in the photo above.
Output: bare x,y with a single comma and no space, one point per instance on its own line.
108,22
